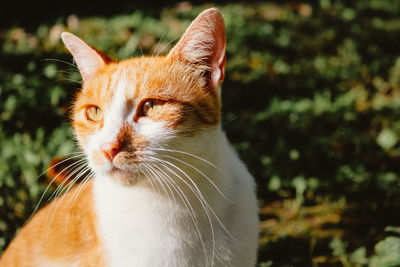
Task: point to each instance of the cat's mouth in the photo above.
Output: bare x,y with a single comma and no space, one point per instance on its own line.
123,167
115,169
124,176
123,170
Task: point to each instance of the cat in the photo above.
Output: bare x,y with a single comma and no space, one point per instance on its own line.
167,189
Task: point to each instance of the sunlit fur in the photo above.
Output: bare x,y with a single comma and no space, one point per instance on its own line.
175,194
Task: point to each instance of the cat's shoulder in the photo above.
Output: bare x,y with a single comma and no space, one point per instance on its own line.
64,227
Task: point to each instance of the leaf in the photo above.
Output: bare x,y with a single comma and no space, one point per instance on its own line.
387,139
387,252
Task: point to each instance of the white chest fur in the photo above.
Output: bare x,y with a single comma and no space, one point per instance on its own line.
145,226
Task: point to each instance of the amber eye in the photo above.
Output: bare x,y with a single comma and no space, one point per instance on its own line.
94,113
151,107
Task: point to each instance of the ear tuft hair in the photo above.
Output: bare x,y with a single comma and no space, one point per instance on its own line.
88,59
204,44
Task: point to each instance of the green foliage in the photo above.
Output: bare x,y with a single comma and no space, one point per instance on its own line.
311,103
386,252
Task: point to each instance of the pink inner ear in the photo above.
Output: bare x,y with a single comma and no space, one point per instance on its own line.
89,61
204,44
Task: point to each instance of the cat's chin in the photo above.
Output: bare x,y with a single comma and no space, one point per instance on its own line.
121,176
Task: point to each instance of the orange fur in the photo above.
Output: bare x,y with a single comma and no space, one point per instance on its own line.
185,91
61,172
58,240
64,232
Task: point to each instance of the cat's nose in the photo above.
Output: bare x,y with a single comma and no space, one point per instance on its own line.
110,150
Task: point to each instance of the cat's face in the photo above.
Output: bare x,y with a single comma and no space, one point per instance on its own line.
129,110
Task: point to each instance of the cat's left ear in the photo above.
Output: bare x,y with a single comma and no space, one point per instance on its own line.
88,59
204,44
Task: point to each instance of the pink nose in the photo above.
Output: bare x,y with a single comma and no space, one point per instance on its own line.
110,150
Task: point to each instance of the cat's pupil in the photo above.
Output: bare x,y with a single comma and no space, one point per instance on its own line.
94,113
147,106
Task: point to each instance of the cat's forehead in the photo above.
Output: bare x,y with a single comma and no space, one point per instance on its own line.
146,77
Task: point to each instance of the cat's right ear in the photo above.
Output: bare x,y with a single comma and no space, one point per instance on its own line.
88,59
203,44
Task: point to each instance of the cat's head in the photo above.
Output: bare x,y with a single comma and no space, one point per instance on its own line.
129,110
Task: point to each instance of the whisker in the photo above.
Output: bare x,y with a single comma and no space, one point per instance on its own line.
81,163
72,183
205,202
149,176
61,185
159,181
64,160
188,206
52,211
52,181
220,192
162,181
205,176
75,198
197,193
62,198
189,154
150,180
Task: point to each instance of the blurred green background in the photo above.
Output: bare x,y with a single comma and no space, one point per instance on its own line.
311,102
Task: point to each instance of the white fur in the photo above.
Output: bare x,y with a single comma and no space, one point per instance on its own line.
143,226
115,115
156,223
192,207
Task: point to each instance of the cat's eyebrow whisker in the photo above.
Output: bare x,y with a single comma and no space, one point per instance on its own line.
167,44
76,74
188,206
158,43
62,61
68,80
76,152
141,50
